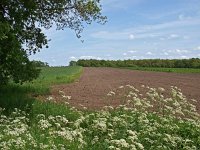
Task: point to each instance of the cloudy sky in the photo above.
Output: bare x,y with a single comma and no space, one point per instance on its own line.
136,29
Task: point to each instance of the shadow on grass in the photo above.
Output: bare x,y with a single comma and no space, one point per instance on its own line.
19,96
15,96
23,97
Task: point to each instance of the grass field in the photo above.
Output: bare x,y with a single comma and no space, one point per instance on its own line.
175,70
15,95
27,123
54,75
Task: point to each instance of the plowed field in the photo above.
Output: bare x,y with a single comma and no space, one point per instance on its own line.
91,89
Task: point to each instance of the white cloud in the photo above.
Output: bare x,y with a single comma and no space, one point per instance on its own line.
72,57
173,36
131,36
165,53
184,57
181,17
110,35
186,37
155,43
131,57
198,48
161,31
124,54
178,51
110,5
90,57
184,17
149,53
162,39
181,51
132,51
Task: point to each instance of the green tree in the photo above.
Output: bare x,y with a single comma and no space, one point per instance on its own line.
21,23
72,63
40,63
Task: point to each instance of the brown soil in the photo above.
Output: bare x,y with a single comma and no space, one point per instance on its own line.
91,89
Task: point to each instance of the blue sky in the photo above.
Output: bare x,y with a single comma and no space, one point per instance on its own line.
136,29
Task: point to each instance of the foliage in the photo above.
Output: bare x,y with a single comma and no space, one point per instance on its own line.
39,63
21,24
14,63
72,63
160,63
172,124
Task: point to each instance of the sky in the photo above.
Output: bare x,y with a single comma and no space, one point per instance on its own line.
136,29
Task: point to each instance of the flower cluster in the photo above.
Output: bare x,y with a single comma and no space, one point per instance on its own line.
64,96
145,121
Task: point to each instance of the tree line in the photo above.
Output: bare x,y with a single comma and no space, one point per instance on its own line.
162,63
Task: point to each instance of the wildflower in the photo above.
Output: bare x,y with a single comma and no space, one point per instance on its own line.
111,93
49,98
67,97
123,143
130,132
84,108
44,124
129,95
121,87
95,139
139,145
58,125
61,92
67,103
161,89
111,147
101,126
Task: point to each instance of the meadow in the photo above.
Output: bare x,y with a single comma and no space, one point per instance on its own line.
21,96
151,121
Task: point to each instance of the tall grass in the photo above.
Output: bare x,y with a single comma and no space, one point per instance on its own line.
24,96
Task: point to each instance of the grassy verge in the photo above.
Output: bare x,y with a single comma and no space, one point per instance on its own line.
21,96
175,70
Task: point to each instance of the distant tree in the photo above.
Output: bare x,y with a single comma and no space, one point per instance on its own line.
21,23
38,63
72,63
195,63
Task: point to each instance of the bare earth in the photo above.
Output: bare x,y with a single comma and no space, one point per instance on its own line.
91,89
